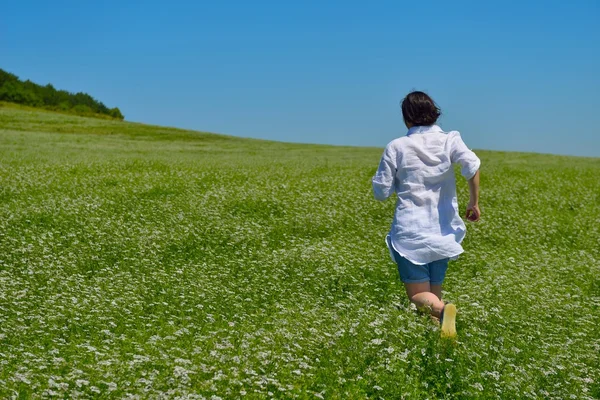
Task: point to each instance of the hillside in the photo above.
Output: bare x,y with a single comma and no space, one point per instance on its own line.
27,93
145,261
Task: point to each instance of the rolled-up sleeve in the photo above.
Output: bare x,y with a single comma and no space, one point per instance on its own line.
460,154
383,181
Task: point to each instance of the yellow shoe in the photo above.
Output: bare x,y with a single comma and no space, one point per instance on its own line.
449,321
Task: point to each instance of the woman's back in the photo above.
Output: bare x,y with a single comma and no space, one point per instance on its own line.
426,225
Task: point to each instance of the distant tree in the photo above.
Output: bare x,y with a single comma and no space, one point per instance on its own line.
13,90
7,77
49,95
116,113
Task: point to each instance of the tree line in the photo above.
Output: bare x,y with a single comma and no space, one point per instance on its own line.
14,90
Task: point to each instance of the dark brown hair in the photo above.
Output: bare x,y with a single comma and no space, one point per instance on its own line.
418,109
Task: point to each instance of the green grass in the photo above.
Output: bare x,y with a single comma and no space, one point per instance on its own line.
161,263
68,112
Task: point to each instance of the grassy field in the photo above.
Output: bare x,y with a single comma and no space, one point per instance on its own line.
147,262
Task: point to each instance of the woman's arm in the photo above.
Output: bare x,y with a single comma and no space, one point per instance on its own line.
383,181
473,213
469,168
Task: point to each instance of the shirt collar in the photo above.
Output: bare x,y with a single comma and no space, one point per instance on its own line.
423,129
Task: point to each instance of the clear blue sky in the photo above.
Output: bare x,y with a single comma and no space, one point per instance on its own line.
511,75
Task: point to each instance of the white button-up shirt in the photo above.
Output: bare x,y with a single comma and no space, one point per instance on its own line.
418,167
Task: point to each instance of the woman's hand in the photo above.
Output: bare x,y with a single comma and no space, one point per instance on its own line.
473,213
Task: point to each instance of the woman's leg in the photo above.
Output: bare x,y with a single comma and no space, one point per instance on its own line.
437,290
420,294
437,273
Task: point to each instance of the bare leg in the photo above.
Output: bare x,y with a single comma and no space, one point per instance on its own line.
420,294
437,290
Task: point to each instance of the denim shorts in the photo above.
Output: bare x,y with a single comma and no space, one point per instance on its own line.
434,272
